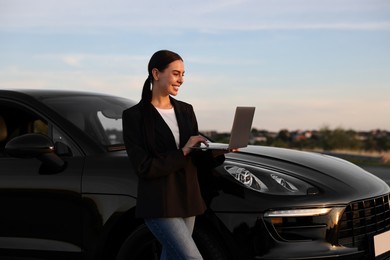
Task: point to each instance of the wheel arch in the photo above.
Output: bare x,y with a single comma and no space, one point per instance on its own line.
117,229
210,223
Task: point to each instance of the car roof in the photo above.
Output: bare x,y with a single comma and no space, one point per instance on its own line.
47,93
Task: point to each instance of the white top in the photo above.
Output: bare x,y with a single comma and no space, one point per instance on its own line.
169,117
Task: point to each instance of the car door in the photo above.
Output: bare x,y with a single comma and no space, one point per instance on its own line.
40,212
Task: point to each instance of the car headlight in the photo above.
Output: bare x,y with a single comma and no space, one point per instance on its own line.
269,181
246,178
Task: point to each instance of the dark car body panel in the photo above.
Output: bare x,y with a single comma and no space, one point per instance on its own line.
86,211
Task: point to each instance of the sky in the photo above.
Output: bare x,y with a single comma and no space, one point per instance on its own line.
304,64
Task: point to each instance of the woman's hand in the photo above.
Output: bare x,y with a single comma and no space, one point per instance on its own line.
195,140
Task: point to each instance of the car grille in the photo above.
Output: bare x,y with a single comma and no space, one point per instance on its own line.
362,220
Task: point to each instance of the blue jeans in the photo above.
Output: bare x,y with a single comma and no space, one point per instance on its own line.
175,236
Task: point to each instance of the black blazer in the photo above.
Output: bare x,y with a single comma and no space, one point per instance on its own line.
168,183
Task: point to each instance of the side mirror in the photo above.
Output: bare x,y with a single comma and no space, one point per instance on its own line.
36,146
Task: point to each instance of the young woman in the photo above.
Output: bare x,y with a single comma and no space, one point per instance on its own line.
159,132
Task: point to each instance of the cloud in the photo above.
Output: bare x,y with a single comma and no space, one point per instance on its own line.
73,60
202,15
313,26
91,61
125,85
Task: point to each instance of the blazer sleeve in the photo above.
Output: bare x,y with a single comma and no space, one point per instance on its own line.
146,164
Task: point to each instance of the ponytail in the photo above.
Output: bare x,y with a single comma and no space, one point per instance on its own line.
146,90
147,115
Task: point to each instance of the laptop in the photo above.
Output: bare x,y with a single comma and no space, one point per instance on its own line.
241,129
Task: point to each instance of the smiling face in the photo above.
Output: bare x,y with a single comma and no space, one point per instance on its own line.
168,81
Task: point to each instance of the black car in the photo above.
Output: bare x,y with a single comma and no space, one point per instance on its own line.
67,191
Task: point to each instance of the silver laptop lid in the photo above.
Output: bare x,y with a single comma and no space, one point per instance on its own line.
242,125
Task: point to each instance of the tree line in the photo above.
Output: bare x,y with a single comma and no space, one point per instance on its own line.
325,139
328,140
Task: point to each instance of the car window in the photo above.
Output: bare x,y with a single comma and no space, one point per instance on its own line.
17,120
99,116
112,128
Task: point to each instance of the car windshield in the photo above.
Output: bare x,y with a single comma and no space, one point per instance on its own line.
97,115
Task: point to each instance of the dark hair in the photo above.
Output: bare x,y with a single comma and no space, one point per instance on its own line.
160,60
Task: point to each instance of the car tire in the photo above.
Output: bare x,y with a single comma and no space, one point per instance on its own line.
209,246
141,244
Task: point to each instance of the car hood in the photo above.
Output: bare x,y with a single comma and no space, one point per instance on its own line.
338,180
